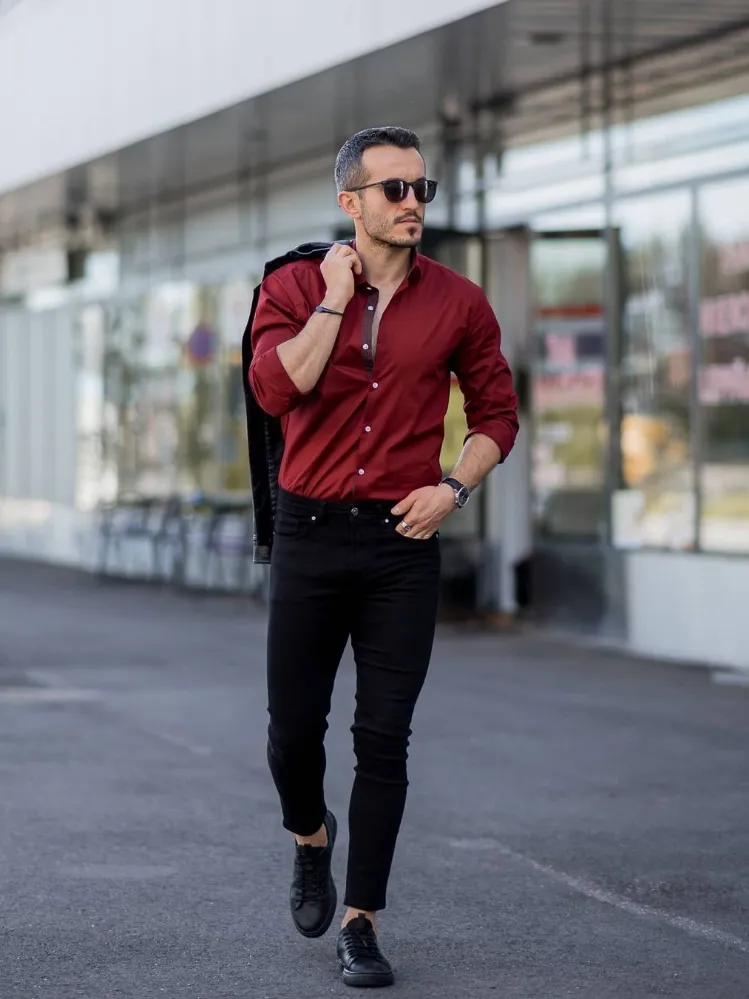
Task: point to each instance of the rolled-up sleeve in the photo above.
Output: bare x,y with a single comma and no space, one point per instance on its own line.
490,402
279,316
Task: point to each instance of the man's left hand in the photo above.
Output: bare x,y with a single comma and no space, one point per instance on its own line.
424,510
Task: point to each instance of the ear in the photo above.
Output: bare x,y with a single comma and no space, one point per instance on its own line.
349,202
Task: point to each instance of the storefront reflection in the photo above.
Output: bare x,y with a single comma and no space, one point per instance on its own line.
569,387
174,410
655,506
724,369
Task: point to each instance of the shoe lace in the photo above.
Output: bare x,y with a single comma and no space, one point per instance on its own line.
313,875
361,940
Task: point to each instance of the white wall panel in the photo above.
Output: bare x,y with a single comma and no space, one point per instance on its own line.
62,373
37,435
79,78
688,607
4,378
37,395
37,406
16,426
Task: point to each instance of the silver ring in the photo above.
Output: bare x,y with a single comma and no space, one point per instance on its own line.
406,527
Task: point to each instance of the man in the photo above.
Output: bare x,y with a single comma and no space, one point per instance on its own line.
354,353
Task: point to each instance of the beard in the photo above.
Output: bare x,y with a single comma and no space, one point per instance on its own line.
389,233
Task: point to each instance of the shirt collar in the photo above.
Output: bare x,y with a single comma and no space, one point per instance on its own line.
415,269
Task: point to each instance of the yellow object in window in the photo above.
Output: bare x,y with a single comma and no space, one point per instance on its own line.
456,428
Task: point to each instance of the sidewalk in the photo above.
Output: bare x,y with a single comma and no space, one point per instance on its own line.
578,821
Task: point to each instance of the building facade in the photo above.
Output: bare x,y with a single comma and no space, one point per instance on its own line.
594,173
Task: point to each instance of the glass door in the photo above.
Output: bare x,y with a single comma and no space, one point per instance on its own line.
568,386
569,427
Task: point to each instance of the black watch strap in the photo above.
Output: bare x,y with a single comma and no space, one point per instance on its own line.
448,480
327,311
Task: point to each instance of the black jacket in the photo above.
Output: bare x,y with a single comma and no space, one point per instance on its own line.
264,435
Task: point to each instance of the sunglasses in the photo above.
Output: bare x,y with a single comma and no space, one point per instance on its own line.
397,190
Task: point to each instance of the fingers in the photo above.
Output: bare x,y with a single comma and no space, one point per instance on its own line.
414,520
424,535
344,252
406,527
404,506
415,533
417,529
421,514
352,258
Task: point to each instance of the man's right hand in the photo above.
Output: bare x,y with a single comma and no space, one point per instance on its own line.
338,268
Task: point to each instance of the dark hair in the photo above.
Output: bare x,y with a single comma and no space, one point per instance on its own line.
349,170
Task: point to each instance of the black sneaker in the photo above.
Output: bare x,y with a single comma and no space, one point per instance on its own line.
313,897
361,958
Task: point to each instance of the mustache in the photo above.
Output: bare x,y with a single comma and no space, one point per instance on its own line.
409,218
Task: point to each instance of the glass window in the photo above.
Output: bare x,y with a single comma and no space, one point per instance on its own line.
198,391
724,368
656,502
456,428
235,301
94,481
568,386
161,391
174,412
120,430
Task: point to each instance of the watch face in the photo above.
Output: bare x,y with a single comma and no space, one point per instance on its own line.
462,493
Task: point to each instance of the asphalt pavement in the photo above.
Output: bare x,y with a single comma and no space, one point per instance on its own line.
577,825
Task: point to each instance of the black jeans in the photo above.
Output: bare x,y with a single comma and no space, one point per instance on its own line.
338,572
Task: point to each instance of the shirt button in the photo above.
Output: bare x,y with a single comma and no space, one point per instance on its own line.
367,429
371,308
366,346
375,384
361,471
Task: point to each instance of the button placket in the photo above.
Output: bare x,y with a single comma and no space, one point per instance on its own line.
373,297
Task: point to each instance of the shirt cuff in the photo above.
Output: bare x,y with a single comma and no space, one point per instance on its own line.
274,390
501,433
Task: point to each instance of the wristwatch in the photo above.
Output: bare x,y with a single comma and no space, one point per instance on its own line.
462,493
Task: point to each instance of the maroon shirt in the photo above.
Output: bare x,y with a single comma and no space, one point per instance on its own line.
373,429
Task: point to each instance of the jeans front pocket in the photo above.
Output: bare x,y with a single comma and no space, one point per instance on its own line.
390,527
294,524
